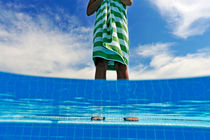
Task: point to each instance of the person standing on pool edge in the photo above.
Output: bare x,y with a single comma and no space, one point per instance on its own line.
110,39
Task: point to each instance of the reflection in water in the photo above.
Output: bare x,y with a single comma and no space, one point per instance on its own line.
81,109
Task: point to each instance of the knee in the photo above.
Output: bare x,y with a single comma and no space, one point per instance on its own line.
102,64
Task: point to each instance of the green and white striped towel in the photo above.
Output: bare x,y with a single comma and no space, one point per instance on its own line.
110,36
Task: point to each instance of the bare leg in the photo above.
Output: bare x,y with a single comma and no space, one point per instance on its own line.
101,68
122,71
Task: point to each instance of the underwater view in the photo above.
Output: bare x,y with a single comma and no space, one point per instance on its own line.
45,108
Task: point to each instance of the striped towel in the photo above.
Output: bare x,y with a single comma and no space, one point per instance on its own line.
110,36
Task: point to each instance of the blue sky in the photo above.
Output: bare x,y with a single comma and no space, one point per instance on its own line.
168,38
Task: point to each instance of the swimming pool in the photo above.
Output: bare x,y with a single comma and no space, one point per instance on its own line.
55,108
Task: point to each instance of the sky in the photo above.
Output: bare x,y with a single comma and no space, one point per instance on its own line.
53,38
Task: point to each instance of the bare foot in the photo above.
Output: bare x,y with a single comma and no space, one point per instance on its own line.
131,119
96,118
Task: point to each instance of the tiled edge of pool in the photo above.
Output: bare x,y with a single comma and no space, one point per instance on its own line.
19,131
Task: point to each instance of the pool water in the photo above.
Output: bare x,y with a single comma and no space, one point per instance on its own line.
39,108
56,131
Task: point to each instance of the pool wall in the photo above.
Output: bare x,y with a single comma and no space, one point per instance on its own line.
63,89
31,131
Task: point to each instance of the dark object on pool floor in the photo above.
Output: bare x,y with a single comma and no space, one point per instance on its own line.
131,119
96,118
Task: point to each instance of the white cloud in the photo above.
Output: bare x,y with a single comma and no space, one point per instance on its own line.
35,45
42,46
165,65
153,49
186,17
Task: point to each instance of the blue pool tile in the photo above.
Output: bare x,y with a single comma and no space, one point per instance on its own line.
78,132
114,132
179,135
207,135
141,133
62,131
169,134
27,131
123,133
132,132
160,135
88,132
150,134
199,135
106,133
8,137
53,131
87,138
33,137
44,131
19,130
2,130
